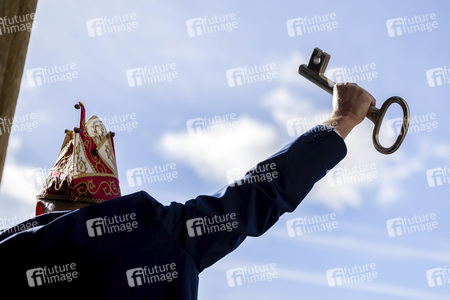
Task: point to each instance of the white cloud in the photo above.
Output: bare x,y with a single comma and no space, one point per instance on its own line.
212,155
18,182
288,70
285,105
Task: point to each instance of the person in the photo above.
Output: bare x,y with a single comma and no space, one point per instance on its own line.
133,247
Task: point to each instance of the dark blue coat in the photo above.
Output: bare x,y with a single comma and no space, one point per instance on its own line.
133,247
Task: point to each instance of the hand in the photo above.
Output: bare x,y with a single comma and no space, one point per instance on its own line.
350,106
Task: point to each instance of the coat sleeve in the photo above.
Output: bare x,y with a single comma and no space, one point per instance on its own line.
210,227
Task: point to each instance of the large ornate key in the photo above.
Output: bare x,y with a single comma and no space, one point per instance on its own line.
314,72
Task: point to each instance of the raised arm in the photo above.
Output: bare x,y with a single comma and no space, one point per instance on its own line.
209,227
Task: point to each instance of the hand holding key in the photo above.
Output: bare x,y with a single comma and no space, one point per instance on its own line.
314,72
350,106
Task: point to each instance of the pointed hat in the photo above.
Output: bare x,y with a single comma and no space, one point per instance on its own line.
86,169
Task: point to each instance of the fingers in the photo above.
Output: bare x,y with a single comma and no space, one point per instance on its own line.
374,101
352,88
350,106
352,101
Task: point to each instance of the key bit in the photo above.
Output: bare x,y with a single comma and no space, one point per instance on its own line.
315,70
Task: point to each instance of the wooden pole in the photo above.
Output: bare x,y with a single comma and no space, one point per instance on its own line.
14,40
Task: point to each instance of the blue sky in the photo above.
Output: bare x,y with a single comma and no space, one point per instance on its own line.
154,126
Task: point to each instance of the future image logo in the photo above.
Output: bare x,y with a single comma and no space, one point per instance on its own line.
154,174
19,123
409,25
253,274
260,173
209,225
438,276
308,225
351,274
17,228
357,73
308,25
49,75
53,274
14,24
17,223
438,76
251,74
109,225
410,225
151,74
417,123
109,25
354,174
120,123
438,176
298,126
154,274
210,25
217,124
